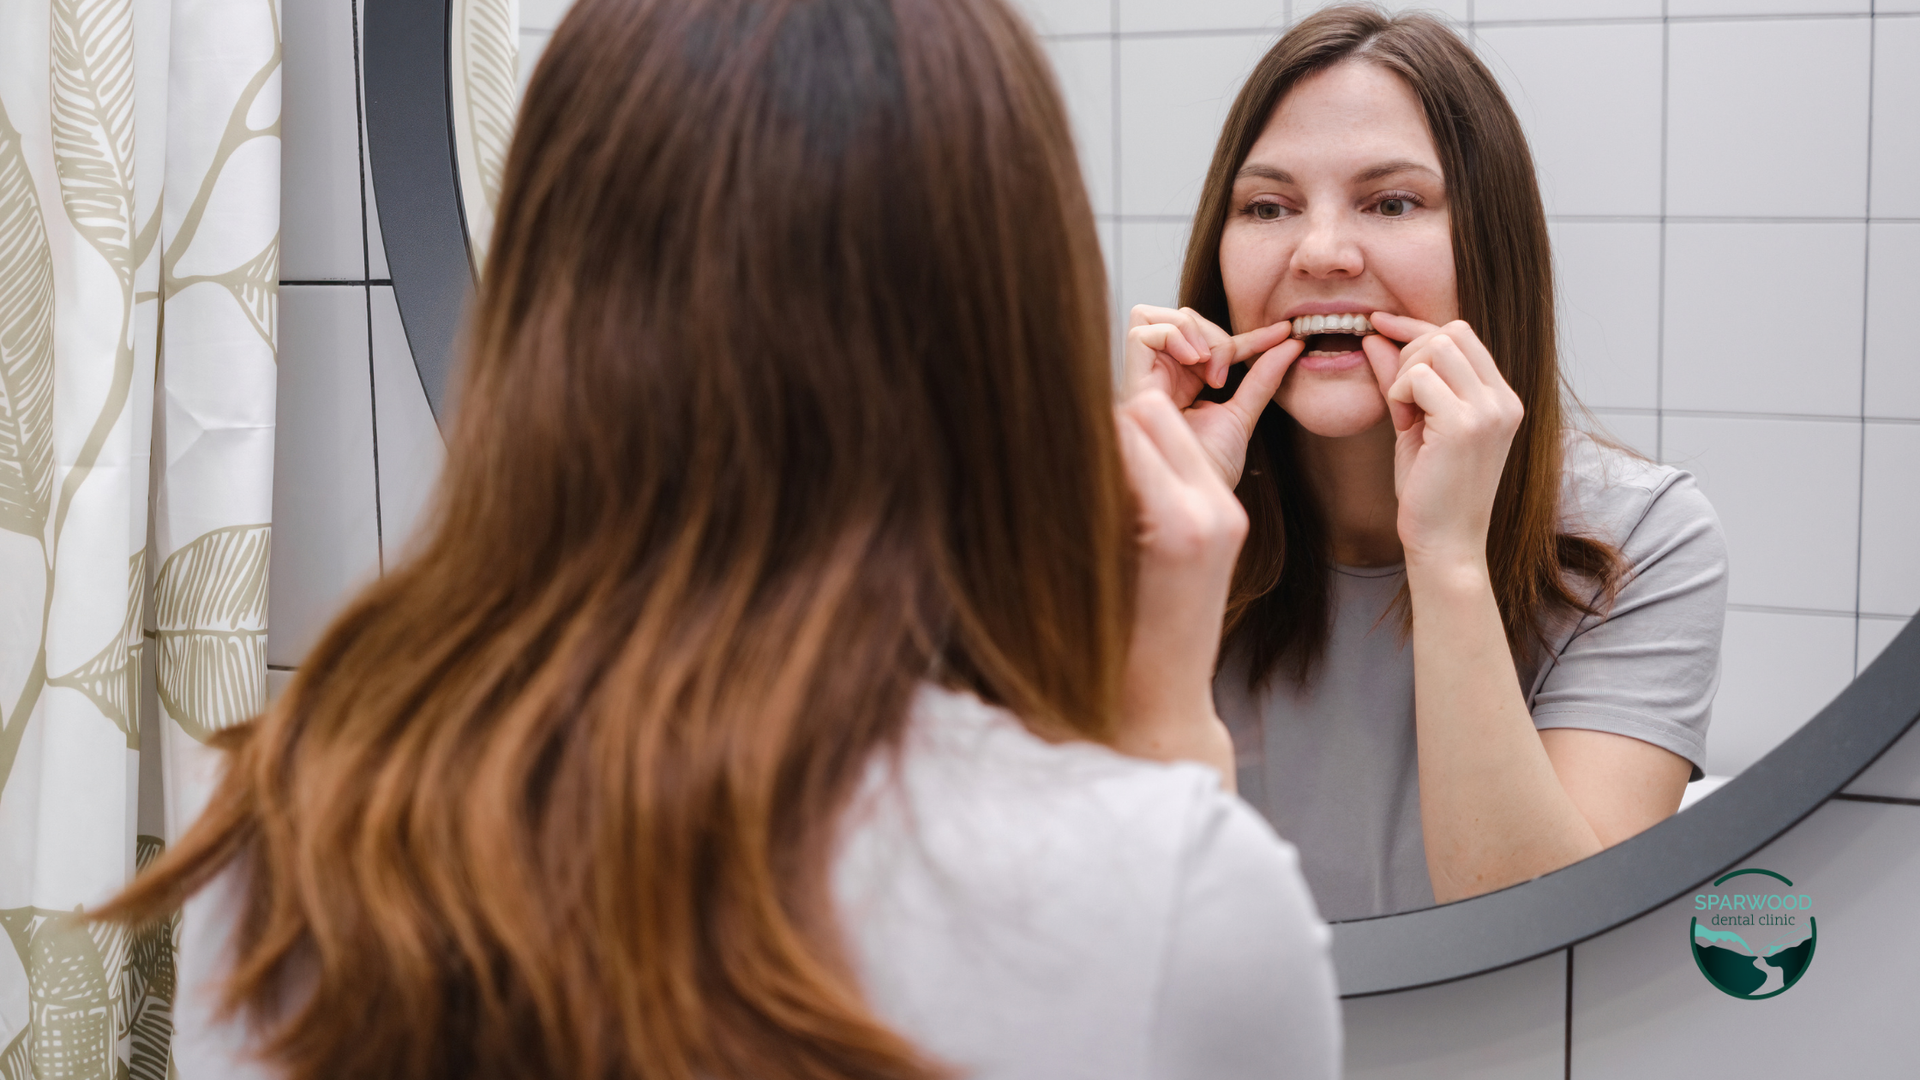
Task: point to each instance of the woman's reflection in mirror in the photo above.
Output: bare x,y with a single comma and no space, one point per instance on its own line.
1467,643
777,692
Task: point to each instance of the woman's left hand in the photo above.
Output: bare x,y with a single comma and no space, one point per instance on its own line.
1455,417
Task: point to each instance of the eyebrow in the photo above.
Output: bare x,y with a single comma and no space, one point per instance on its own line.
1367,176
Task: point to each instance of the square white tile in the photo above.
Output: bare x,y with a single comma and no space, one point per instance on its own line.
319,144
1776,672
1174,95
1607,275
1637,431
325,544
376,243
1504,1025
1890,6
1897,773
1765,317
1642,1010
1893,352
1589,97
1456,10
1896,101
1787,494
1742,95
1137,16
1495,10
1684,8
1890,520
1151,254
1085,70
1067,16
412,451
277,680
533,43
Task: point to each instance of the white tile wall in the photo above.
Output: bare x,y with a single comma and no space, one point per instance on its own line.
1637,431
1893,350
1505,1025
1057,16
1608,277
1539,10
411,449
1896,101
1084,67
1150,15
1595,153
1787,492
325,519
1685,8
1890,520
1641,1009
1741,95
1897,774
1151,254
1876,633
1779,669
1174,93
1765,317
319,144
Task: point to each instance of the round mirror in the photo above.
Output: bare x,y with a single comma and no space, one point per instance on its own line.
443,80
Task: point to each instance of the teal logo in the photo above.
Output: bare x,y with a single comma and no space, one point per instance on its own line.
1751,937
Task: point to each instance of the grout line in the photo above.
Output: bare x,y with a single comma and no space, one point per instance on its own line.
366,290
1866,309
339,281
1884,800
281,667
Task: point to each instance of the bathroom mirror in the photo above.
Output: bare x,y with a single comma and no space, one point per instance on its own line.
443,78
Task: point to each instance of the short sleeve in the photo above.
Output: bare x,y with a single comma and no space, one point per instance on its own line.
1247,989
1650,666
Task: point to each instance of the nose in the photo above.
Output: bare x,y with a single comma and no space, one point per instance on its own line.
1328,248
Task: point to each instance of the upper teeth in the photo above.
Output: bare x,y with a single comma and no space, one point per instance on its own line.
1307,325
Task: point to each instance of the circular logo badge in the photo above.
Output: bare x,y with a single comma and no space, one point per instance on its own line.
1753,934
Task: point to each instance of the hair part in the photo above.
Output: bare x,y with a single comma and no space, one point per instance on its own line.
1280,609
788,379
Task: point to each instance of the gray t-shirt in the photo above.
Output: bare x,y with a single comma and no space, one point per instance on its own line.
1334,765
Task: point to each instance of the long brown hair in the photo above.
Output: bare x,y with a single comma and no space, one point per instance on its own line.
788,385
1280,611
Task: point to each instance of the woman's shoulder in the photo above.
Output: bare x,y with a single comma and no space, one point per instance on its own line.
1613,493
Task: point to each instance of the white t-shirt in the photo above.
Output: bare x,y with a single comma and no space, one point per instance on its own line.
1021,910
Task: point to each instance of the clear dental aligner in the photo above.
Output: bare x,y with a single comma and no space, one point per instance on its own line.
1309,325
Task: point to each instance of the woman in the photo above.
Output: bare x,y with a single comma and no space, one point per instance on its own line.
741,716
1466,645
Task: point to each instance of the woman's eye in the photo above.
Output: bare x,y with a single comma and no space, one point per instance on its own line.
1395,207
1266,211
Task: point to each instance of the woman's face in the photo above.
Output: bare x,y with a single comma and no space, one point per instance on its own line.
1339,210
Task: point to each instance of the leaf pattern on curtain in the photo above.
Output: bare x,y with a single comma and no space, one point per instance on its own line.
490,50
92,48
26,345
74,994
210,627
145,1016
111,680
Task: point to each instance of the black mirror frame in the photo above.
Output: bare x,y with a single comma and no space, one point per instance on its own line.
415,178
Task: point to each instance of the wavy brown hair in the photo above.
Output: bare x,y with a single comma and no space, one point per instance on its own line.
788,385
1280,608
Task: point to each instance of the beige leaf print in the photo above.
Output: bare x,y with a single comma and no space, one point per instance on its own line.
70,1007
145,1016
111,680
26,345
13,1060
92,55
491,53
210,628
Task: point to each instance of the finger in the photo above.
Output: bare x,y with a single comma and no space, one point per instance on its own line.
1384,357
1243,347
1169,339
1142,314
1263,380
1475,352
1422,386
1152,479
1163,424
1400,327
1445,356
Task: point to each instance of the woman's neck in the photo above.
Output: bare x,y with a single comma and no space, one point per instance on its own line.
1352,476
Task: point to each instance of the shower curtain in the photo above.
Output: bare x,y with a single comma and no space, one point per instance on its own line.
139,254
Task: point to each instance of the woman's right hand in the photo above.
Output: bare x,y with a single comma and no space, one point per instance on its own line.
1190,531
1180,353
